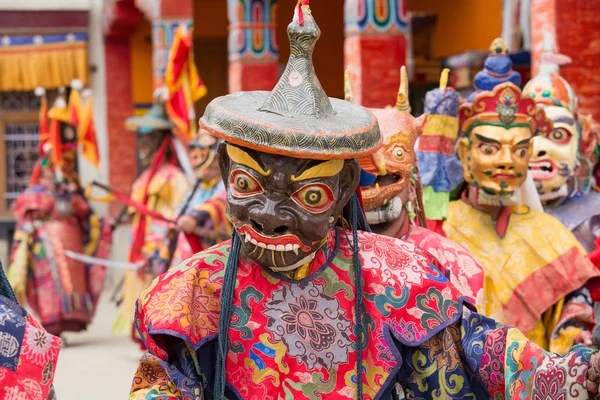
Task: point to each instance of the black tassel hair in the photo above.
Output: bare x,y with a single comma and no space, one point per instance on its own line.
227,292
362,225
357,219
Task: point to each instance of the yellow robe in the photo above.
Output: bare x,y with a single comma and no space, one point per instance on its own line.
528,271
166,191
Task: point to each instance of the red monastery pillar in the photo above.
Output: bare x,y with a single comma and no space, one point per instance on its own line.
253,51
574,24
119,20
375,48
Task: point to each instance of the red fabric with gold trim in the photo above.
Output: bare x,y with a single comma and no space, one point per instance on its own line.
571,264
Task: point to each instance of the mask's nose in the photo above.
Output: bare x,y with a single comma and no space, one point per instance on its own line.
270,219
540,148
505,160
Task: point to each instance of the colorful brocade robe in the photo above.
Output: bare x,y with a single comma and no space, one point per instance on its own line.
28,355
294,339
453,260
535,271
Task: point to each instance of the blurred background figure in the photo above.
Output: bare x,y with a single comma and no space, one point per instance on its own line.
160,189
202,218
53,219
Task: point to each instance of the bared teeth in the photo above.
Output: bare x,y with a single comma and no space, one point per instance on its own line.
279,247
540,164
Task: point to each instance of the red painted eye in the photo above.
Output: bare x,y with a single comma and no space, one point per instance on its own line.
316,198
560,136
243,184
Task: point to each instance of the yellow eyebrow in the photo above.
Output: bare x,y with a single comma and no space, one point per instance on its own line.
241,157
323,170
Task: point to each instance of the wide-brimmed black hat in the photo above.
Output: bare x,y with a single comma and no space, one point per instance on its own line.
297,118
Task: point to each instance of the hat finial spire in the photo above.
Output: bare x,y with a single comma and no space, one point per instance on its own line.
402,103
444,78
348,91
299,92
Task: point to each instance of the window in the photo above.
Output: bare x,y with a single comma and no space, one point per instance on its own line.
19,138
21,143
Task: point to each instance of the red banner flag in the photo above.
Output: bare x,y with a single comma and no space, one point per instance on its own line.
184,84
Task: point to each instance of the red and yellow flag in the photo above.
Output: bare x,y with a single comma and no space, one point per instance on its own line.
56,152
184,84
87,134
75,106
75,112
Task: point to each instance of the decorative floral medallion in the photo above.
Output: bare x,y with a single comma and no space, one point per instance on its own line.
551,379
311,325
39,346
